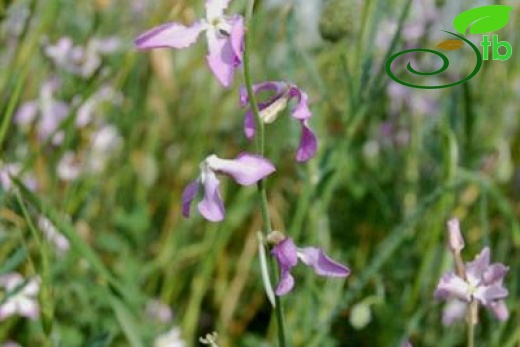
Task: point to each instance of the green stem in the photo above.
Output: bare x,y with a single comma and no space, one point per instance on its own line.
260,147
471,321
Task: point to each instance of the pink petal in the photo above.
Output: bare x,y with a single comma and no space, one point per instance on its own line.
285,285
477,267
453,311
450,285
301,110
211,206
487,295
286,254
215,8
26,113
308,144
456,242
246,169
249,124
494,274
189,193
321,263
173,35
237,38
499,309
221,58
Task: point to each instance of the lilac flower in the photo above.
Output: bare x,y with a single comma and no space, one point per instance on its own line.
159,311
246,169
225,37
283,93
9,170
53,235
21,301
287,255
406,343
483,283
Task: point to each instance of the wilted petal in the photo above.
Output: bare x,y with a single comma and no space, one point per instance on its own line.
453,311
211,206
494,274
215,8
475,269
246,169
301,110
189,193
308,144
499,309
322,264
286,283
487,295
456,242
450,285
173,35
221,57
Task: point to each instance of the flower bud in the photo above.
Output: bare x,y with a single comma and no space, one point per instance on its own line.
455,240
275,237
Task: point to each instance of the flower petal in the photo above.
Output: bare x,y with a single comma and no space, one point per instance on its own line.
286,254
189,193
246,169
26,113
211,206
453,311
494,274
486,295
451,285
456,242
221,58
249,124
277,87
301,110
215,8
499,309
237,38
475,269
286,283
173,35
321,263
308,144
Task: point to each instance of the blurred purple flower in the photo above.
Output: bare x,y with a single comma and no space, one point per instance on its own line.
483,282
22,301
172,338
287,255
225,37
47,112
159,311
53,235
70,166
406,343
246,169
15,170
269,110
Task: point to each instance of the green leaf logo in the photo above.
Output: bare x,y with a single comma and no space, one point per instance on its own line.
482,20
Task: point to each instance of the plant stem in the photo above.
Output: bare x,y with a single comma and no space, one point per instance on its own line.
471,322
260,147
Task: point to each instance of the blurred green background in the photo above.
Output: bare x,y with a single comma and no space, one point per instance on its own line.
111,136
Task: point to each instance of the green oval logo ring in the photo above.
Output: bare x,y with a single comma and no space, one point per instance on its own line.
445,64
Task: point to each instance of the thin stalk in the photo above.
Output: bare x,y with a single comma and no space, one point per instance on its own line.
260,147
472,321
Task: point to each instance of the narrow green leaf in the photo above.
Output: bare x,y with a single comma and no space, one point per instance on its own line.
126,321
482,20
14,261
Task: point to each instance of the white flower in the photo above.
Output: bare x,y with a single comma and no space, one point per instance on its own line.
170,339
22,301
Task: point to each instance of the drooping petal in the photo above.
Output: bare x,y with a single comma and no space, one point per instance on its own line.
189,193
451,285
477,267
246,169
487,295
286,283
249,124
301,110
221,58
173,35
499,309
321,263
211,207
308,144
454,310
286,254
494,274
215,8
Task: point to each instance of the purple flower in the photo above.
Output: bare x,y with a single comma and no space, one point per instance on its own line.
287,255
283,93
246,169
483,283
225,36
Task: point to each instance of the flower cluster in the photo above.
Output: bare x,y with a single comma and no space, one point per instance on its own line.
21,296
476,281
225,36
